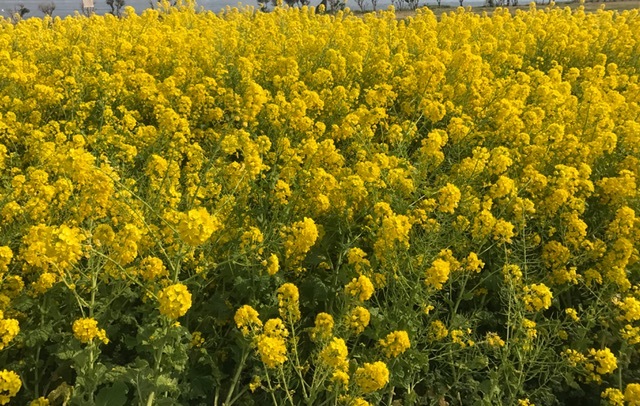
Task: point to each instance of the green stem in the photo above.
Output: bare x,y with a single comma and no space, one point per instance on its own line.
236,377
459,300
286,387
157,357
391,393
150,400
236,397
297,366
273,397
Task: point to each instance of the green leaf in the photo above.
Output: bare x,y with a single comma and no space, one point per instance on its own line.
114,395
37,336
166,383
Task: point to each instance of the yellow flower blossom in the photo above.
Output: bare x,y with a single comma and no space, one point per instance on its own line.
41,401
288,302
358,319
334,355
86,329
360,288
300,237
632,394
152,268
247,319
9,329
448,198
372,376
438,274
174,301
395,343
272,350
272,264
10,384
323,327
613,396
537,297
494,340
196,226
5,258
438,331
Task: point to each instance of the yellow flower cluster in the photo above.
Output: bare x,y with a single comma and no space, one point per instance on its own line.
288,302
334,355
55,247
337,160
448,198
395,343
494,340
613,396
272,349
358,319
606,361
372,376
86,329
174,300
300,237
629,308
572,313
9,329
41,401
196,226
10,384
361,288
45,282
247,319
537,297
438,273
323,327
273,264
152,268
473,263
596,363
438,331
5,258
632,394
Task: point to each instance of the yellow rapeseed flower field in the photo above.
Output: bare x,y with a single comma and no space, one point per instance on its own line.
299,208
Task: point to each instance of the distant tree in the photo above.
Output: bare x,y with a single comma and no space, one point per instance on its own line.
116,6
361,4
47,8
19,12
335,5
158,3
87,7
290,3
374,4
413,4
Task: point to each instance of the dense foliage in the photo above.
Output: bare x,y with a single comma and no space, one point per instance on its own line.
308,209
